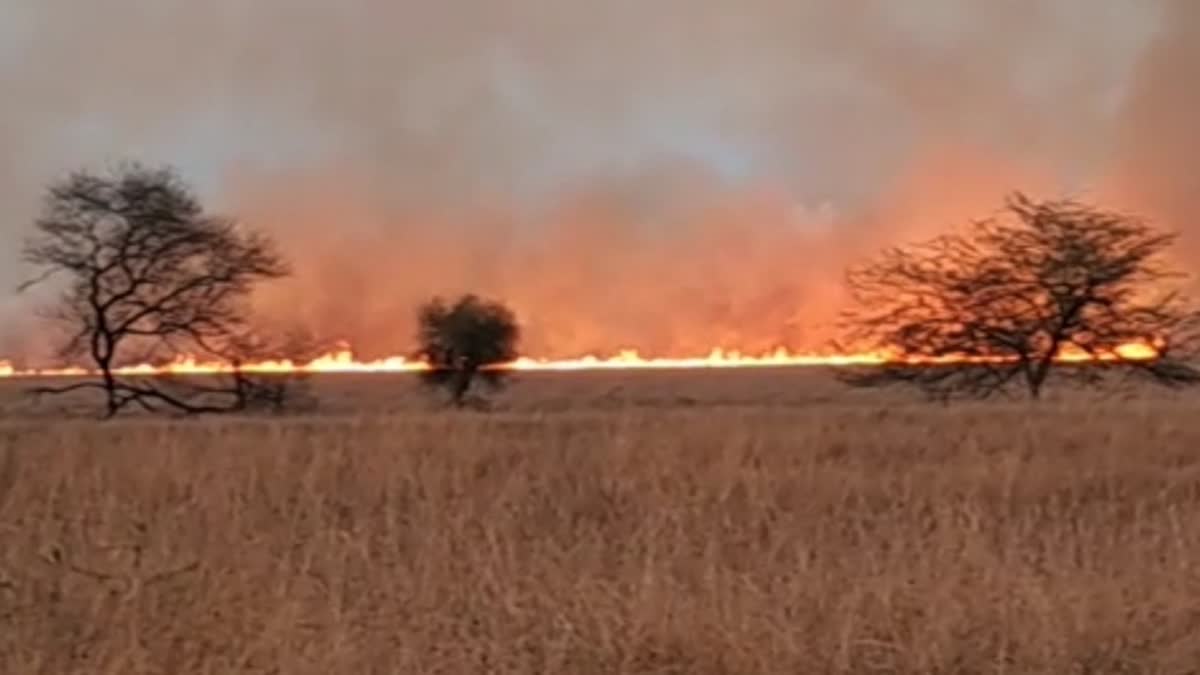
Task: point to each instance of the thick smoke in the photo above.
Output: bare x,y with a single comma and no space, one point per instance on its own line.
1156,167
670,175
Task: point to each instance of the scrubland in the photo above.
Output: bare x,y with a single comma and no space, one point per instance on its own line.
763,522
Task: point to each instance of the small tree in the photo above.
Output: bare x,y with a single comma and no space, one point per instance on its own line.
149,276
273,392
1014,298
465,342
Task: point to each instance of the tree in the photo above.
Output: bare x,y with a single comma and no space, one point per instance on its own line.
274,392
1045,287
464,342
149,276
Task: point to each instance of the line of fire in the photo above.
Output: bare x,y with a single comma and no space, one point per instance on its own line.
150,284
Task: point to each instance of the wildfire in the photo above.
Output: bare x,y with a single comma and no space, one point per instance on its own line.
344,361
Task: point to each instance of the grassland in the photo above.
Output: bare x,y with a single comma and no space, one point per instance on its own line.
684,523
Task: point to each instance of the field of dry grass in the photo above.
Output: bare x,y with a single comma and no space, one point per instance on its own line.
607,523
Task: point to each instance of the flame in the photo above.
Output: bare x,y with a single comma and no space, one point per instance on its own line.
344,361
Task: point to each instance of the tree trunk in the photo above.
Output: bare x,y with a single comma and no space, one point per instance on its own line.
110,389
1035,378
462,385
102,353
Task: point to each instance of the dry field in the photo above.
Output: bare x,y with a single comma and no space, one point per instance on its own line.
688,523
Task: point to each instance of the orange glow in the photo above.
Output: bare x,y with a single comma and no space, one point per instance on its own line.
344,361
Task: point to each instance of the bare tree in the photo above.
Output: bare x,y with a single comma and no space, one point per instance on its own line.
149,276
1013,298
465,342
247,389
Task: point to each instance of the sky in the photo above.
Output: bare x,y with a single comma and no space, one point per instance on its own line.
663,174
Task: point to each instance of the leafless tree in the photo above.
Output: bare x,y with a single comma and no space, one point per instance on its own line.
249,390
465,342
1007,300
148,276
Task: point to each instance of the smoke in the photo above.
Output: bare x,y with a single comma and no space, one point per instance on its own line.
1157,157
669,175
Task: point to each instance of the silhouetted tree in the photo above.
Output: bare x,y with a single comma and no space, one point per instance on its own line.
1005,299
149,276
465,342
273,392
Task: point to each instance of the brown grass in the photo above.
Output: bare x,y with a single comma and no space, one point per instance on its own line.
704,535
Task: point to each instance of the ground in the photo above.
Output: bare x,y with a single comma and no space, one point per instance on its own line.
691,523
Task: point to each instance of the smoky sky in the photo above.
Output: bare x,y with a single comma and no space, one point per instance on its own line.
659,174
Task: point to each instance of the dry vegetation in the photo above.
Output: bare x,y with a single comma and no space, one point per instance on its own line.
662,523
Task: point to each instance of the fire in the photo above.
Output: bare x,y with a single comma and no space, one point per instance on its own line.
344,361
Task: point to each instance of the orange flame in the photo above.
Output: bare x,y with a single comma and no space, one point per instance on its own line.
344,361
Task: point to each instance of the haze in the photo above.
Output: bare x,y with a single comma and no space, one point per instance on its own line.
671,176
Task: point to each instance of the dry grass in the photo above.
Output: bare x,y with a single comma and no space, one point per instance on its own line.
710,535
